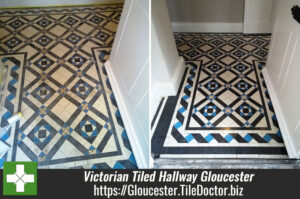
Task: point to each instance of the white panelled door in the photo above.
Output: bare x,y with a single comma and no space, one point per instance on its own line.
128,71
258,16
282,74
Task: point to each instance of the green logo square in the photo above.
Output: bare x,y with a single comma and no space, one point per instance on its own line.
20,178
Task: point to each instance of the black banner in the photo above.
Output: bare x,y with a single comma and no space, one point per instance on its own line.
166,184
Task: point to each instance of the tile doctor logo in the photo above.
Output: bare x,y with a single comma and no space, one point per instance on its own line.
20,178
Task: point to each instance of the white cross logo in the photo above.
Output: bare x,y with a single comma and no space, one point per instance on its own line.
20,178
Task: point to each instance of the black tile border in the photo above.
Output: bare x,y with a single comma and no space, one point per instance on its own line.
164,121
157,111
226,150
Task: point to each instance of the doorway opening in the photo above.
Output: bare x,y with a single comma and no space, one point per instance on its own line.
222,109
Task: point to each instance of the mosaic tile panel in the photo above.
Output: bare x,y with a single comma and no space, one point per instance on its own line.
223,108
58,81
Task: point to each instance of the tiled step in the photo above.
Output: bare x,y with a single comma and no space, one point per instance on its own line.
164,163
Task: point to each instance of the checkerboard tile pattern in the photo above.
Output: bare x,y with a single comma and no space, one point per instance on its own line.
57,79
223,108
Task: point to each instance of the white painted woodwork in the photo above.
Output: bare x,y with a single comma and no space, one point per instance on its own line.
167,67
282,74
128,71
221,27
258,16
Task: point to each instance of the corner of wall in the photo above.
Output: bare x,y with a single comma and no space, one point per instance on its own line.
168,88
178,73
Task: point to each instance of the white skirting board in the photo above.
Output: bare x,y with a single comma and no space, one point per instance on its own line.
141,159
206,27
167,88
177,76
280,117
263,27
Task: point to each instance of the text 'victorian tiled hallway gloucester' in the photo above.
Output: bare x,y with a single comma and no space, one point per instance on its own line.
56,78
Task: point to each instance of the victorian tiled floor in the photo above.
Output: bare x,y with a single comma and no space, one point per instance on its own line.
222,108
57,79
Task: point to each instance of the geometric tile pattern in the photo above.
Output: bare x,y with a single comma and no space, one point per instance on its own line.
58,81
223,106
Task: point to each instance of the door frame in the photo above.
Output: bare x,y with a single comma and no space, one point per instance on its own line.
251,23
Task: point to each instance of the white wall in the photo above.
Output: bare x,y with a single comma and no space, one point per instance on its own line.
258,16
166,66
128,71
214,11
24,3
206,15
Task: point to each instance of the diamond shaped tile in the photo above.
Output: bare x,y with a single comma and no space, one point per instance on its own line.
240,67
44,22
43,93
243,86
44,63
77,60
193,53
13,42
88,128
210,110
44,40
85,28
16,24
82,89
71,21
215,67
60,50
212,85
58,30
73,38
102,36
42,134
96,19
246,111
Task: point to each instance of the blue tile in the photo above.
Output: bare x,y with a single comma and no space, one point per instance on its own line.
279,133
189,138
182,109
177,125
228,138
132,159
185,97
118,165
94,167
1,162
248,138
209,138
267,138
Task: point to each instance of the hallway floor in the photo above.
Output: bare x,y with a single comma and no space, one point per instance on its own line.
222,109
55,58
